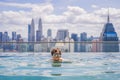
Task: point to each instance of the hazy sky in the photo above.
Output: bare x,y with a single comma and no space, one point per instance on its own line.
76,15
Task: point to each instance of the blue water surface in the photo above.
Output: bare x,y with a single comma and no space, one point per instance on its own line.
75,66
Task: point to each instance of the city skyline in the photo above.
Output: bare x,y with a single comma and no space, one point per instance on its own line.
77,18
108,33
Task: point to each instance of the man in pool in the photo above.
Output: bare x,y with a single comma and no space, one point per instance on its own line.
56,55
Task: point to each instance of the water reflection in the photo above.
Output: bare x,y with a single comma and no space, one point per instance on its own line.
56,74
56,64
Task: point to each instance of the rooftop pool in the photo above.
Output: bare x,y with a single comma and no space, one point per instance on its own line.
77,66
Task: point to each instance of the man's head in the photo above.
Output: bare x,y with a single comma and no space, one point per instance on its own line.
56,54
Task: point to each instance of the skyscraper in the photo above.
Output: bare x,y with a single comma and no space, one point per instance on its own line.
40,26
75,38
83,37
49,33
62,34
5,37
1,39
29,32
1,36
14,36
38,38
39,31
32,31
31,35
18,37
109,34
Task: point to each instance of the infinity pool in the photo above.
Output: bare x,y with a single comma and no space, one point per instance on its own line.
79,66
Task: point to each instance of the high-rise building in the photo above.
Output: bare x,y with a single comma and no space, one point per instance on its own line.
75,38
5,37
62,34
29,32
1,36
83,37
38,37
49,33
39,31
40,26
18,37
31,35
110,38
32,31
1,40
14,36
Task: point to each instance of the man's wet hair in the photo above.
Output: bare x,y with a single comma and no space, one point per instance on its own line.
55,51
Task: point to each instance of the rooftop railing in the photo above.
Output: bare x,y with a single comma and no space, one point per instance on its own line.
82,46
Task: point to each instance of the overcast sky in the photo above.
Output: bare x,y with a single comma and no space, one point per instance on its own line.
75,15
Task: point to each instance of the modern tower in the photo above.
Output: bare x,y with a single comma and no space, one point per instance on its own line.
18,37
109,37
38,37
32,31
39,32
14,36
1,36
83,37
29,32
49,33
75,38
40,26
31,35
5,37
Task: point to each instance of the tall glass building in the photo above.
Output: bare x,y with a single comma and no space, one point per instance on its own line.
109,38
1,36
75,38
38,37
83,37
13,35
29,31
49,33
39,32
5,37
32,34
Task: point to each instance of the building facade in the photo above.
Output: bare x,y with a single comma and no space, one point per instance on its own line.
49,33
62,34
32,31
14,36
75,39
83,37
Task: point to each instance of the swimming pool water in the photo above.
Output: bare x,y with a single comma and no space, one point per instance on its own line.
78,66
